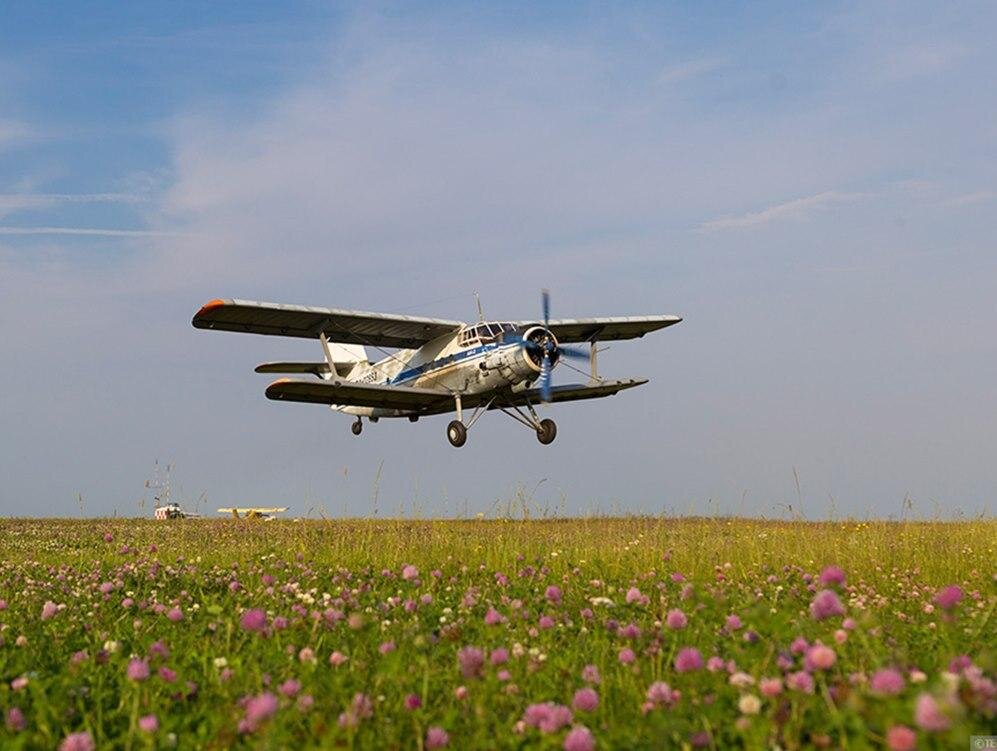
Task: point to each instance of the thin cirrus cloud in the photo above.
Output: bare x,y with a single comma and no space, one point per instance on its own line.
84,232
794,209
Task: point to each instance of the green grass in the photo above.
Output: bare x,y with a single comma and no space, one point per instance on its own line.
339,587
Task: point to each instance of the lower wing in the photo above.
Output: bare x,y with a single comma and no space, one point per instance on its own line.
348,394
568,392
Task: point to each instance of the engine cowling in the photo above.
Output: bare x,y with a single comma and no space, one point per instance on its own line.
543,339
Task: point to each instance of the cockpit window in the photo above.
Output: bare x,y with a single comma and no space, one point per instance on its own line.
484,333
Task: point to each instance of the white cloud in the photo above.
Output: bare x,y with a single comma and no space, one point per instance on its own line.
797,208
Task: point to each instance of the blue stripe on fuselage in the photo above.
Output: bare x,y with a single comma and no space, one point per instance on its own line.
467,354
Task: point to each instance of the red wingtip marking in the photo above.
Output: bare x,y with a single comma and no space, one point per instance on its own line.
210,305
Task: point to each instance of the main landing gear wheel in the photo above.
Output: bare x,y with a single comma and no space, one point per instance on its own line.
547,432
456,433
357,427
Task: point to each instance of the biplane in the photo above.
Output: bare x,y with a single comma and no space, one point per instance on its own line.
431,366
260,513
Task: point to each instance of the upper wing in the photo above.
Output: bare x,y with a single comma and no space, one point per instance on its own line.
571,392
347,394
346,326
568,330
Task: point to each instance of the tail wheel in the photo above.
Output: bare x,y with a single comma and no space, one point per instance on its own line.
357,427
456,433
547,432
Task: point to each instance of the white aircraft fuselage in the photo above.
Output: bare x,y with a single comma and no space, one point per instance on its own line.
483,357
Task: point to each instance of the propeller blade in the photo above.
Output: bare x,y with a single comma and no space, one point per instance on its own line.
545,302
575,354
545,378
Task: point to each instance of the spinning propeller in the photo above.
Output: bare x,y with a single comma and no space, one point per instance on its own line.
549,349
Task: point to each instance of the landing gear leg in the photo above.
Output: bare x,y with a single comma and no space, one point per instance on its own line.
357,427
456,430
546,429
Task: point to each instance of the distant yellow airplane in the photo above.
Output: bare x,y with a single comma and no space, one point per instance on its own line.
263,513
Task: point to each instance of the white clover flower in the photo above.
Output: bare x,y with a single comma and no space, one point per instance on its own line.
749,704
221,662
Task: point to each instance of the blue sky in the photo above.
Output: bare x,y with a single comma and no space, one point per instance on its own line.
811,186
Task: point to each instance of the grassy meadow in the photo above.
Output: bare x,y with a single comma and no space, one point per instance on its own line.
577,634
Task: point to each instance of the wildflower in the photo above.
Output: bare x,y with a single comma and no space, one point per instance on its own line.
676,619
49,609
499,656
770,687
825,605
741,679
149,723
800,681
579,739
749,704
715,664
948,597
590,674
437,737
15,721
630,631
660,694
887,682
733,623
548,717
175,614
627,656
832,576
960,663
412,702
546,622
471,660
901,738
799,645
493,617
166,674
77,742
137,670
259,709
386,647
820,657
634,596
410,572
337,658
254,620
19,683
688,659
585,700
553,594
928,714
460,693
290,688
